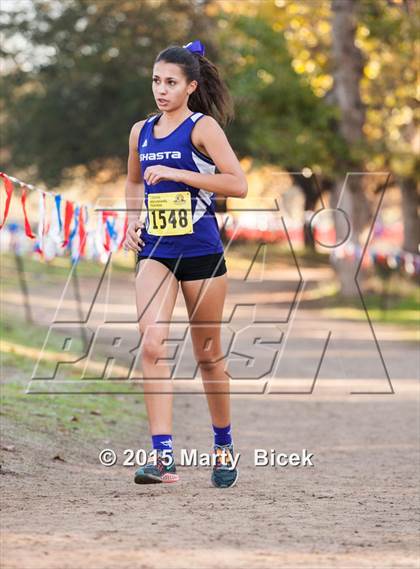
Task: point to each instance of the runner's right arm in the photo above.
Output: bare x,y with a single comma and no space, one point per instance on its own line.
134,191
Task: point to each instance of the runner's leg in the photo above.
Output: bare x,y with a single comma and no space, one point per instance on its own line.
204,300
156,292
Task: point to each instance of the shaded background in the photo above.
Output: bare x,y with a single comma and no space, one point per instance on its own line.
320,88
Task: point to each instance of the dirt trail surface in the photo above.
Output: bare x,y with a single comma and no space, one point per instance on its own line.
356,507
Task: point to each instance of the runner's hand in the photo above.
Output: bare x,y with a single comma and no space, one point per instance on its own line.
132,239
155,174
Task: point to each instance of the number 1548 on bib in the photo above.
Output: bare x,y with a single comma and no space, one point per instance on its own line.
170,213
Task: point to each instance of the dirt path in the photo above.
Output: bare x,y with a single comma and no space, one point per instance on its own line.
357,507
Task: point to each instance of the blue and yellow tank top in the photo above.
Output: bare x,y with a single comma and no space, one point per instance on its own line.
180,219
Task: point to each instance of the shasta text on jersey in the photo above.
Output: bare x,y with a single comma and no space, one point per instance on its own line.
161,155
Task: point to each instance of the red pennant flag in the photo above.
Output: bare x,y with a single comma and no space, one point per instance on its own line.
8,186
28,229
68,216
124,231
82,233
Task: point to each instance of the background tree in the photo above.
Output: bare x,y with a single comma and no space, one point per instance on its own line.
388,34
348,71
79,76
329,86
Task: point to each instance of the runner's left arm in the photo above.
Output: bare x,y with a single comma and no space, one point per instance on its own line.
230,182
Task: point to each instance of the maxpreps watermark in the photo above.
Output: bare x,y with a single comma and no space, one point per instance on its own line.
191,457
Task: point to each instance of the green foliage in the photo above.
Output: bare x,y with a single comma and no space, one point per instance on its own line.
77,76
280,119
84,80
389,39
88,414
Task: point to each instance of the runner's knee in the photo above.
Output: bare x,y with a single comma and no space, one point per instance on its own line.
209,361
153,347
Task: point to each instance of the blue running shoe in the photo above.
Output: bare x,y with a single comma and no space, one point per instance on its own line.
224,474
159,468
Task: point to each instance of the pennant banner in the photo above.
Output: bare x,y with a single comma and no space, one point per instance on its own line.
63,226
84,236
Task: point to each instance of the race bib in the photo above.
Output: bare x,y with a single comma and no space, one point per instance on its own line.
170,213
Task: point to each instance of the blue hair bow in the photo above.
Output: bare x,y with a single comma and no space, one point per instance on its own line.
195,47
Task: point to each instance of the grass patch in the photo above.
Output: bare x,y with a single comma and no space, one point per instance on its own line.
89,415
392,310
58,270
240,254
31,335
21,334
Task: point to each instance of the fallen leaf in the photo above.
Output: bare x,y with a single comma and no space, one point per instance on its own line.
58,457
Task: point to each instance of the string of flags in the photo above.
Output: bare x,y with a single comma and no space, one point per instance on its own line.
61,227
64,227
253,228
384,261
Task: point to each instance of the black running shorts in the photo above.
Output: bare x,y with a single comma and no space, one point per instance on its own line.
192,268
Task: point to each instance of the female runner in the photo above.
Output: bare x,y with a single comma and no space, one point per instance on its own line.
172,160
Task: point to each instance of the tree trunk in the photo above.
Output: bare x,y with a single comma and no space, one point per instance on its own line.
348,70
347,197
311,195
410,205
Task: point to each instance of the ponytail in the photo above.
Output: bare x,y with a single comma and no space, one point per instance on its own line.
211,96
